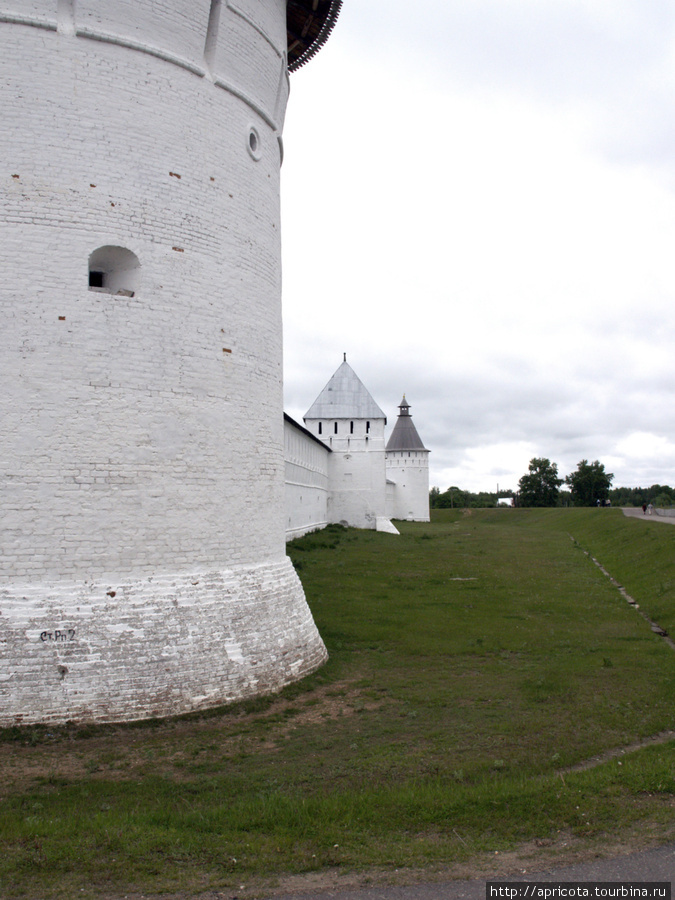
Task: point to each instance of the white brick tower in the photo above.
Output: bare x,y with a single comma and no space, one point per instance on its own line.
407,465
347,419
142,562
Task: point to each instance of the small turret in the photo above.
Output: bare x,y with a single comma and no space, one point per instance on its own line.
404,436
407,467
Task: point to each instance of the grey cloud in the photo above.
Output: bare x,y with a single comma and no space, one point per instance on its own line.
556,52
565,348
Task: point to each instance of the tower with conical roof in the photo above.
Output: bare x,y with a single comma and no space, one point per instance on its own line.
347,419
407,468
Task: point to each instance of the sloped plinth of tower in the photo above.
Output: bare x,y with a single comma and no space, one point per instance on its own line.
165,645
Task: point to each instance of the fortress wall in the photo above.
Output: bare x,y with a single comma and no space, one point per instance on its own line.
142,432
307,486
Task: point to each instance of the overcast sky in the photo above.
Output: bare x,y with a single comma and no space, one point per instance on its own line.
478,207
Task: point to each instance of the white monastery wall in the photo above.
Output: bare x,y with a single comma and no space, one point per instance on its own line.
141,453
408,496
390,498
307,485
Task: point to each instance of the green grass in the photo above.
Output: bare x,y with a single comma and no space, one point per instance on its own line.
474,662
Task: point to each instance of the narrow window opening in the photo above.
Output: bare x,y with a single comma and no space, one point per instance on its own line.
320,428
367,427
96,279
351,428
335,427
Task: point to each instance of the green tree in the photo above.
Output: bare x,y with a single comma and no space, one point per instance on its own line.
589,483
541,486
453,497
483,500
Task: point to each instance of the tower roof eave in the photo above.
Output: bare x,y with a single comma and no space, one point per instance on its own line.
308,27
405,436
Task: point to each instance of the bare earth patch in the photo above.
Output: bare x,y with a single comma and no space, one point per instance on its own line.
119,753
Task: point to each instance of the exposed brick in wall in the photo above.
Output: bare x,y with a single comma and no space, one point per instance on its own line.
113,650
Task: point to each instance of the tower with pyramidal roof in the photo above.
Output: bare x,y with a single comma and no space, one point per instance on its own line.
407,468
347,419
368,484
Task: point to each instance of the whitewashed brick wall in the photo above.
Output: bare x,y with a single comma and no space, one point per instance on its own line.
408,485
356,470
307,487
129,649
141,435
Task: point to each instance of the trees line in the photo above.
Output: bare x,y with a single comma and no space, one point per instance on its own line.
588,485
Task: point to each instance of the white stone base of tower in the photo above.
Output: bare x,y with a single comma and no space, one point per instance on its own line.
164,645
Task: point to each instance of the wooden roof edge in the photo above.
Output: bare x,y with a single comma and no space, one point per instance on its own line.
328,17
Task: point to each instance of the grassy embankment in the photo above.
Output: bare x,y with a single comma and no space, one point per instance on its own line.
474,662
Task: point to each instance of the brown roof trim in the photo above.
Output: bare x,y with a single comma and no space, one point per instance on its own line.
308,25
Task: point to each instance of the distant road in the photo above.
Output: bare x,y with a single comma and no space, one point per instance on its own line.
637,513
